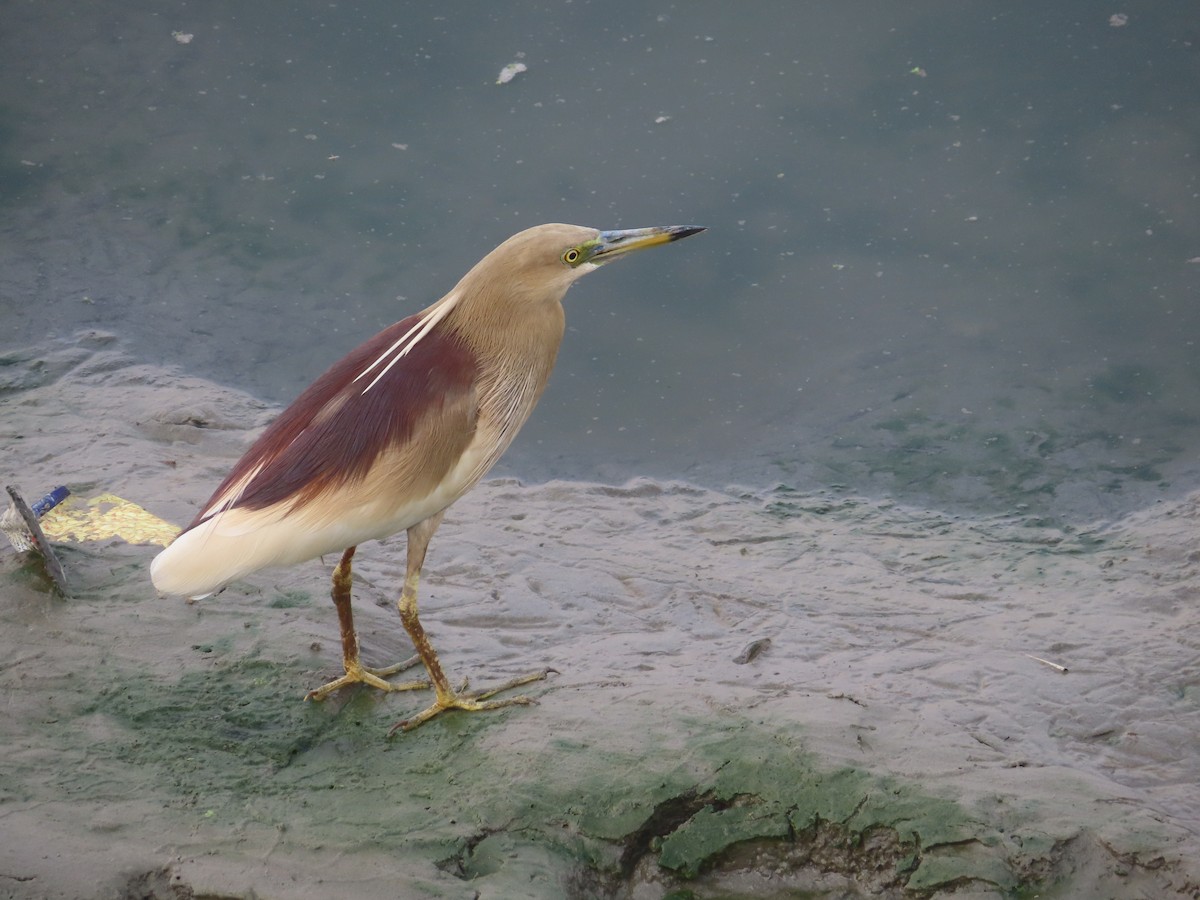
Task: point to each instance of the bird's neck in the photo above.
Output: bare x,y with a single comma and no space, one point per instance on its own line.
515,345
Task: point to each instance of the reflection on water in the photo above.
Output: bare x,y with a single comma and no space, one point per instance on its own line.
951,255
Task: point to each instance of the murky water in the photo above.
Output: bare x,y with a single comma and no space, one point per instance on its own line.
949,248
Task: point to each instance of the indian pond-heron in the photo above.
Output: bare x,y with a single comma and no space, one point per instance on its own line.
395,432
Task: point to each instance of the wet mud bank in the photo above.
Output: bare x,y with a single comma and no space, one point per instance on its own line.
760,692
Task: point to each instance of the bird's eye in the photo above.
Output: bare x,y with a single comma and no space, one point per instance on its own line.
571,256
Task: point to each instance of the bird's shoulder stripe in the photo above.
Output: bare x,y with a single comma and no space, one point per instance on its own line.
335,430
422,324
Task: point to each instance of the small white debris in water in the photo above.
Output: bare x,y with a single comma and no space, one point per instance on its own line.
399,146
1055,666
658,120
511,71
1118,20
181,37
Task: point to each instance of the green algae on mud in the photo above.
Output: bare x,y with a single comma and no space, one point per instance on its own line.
464,797
216,728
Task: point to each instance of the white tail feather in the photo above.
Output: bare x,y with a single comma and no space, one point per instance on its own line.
235,542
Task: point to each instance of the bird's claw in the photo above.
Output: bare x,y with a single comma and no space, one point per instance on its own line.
359,674
475,701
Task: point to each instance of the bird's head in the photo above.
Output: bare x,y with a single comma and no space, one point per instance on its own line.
540,263
600,247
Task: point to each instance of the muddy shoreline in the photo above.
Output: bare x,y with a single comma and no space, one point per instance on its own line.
894,738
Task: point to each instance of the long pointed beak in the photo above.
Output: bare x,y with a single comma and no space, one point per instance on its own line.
612,244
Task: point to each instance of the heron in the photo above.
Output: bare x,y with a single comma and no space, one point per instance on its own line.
391,435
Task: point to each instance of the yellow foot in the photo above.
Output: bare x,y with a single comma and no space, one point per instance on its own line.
360,674
473,701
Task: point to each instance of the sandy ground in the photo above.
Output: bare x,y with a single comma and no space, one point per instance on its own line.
893,738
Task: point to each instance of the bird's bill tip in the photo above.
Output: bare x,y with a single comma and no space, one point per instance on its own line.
682,231
619,242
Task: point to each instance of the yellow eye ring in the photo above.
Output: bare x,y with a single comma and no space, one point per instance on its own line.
571,256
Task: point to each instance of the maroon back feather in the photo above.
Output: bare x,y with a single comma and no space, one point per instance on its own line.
304,456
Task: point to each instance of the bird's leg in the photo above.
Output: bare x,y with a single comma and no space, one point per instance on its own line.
356,672
447,698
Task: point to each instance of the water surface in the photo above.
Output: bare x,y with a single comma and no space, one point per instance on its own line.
951,248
